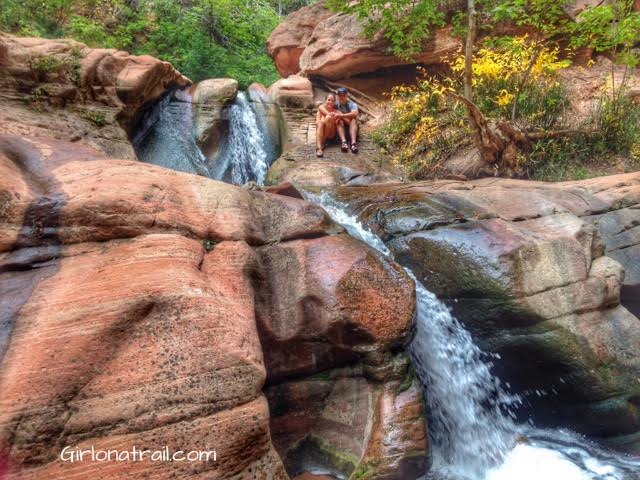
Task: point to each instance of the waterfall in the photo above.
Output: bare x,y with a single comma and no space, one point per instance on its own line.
244,156
471,422
473,432
166,136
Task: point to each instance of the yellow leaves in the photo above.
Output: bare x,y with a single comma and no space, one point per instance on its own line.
504,98
512,60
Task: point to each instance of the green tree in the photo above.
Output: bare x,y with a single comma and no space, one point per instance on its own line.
201,38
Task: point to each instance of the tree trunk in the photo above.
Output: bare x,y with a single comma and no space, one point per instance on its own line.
468,50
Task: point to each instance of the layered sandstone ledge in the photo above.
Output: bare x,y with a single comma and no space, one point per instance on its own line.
65,90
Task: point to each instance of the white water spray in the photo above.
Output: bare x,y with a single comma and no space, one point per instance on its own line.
244,156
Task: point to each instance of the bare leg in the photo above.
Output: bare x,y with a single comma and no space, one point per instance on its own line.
341,131
353,130
320,134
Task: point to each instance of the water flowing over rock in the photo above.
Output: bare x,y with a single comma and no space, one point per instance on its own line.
211,125
473,433
238,139
246,149
522,265
166,136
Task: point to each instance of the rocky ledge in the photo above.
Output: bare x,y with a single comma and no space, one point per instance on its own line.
65,90
536,271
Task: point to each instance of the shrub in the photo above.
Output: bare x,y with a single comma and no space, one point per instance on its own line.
44,64
516,69
426,124
97,117
617,123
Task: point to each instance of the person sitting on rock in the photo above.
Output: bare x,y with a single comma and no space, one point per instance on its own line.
326,123
348,116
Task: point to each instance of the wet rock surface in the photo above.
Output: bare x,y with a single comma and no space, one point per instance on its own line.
523,265
351,423
209,98
300,166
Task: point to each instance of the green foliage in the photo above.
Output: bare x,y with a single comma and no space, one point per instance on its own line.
284,7
201,38
34,17
423,129
208,245
547,17
66,66
406,24
96,117
611,135
614,27
503,73
364,471
43,64
617,122
427,125
88,31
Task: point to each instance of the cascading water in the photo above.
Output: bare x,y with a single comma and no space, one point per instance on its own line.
473,432
244,156
167,138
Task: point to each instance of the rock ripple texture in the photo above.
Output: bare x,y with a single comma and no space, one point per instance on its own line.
136,303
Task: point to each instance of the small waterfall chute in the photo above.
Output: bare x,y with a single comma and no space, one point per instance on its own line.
244,156
474,436
166,136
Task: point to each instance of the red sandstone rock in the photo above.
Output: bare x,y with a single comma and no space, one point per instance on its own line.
287,42
287,189
328,301
128,303
346,422
116,78
523,265
293,91
106,86
314,41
